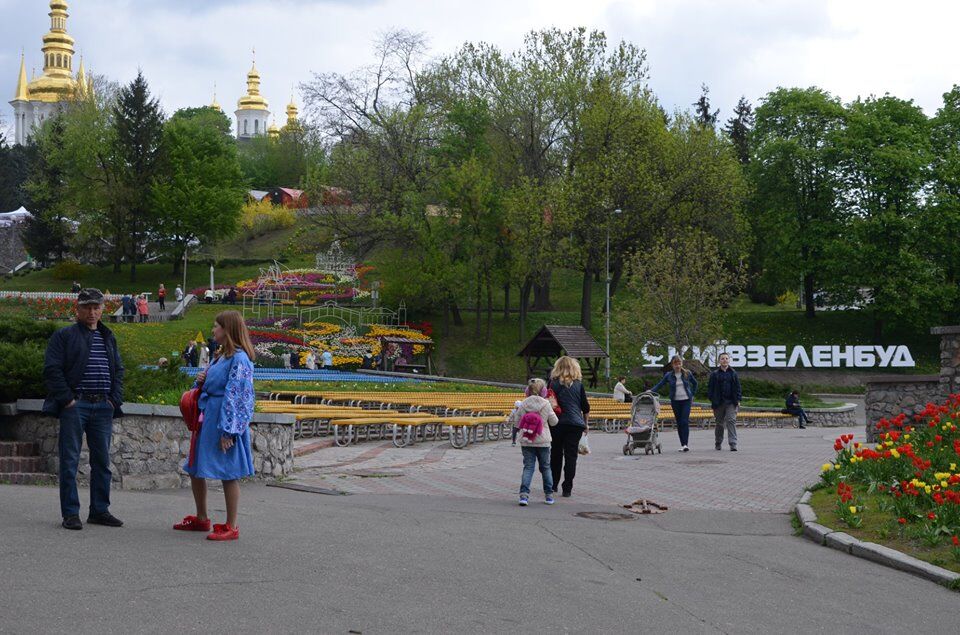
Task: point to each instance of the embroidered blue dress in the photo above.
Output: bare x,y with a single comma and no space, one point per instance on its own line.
227,404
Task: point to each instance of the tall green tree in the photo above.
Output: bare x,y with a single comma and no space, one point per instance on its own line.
884,159
942,213
796,186
738,129
138,123
47,234
702,109
199,189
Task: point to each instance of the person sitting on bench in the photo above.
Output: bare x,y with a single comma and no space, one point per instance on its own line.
793,408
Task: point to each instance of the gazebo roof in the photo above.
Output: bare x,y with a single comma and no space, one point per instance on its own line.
551,340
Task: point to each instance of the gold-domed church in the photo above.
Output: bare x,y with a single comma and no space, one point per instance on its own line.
253,111
38,99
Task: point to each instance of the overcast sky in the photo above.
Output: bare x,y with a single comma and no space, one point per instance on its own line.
737,47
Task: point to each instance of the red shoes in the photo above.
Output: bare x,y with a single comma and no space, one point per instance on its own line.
224,532
192,523
220,532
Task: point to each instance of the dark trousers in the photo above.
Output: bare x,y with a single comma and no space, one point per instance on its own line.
563,454
681,414
163,305
96,420
799,412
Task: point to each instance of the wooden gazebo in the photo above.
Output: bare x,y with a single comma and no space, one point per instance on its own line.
552,341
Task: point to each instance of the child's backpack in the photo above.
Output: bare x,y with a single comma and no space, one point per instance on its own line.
531,425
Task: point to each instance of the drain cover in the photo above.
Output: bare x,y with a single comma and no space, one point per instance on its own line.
604,516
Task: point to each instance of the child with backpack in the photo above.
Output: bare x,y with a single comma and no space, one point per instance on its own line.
533,418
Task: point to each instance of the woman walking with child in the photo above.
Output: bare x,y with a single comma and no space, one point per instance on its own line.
223,448
683,386
532,419
566,382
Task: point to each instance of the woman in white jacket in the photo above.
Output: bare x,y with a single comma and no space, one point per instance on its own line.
534,417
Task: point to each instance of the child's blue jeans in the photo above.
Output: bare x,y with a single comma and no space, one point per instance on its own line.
530,458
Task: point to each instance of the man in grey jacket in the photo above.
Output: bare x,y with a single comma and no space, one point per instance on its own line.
725,396
84,377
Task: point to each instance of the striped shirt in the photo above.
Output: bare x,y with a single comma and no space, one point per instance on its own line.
96,379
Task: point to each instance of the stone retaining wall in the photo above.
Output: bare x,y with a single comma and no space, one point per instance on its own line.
150,443
889,396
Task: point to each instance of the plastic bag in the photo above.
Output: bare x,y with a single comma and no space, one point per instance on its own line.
584,447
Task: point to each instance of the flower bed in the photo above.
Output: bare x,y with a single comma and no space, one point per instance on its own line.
907,486
52,308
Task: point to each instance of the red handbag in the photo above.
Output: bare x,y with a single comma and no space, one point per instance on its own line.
190,409
552,398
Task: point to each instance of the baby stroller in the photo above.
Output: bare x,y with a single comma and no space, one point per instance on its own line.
644,429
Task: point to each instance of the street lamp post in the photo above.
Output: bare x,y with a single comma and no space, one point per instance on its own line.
609,218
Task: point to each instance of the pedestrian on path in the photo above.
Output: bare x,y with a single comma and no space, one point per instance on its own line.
311,361
793,408
725,395
178,294
129,307
327,360
534,417
620,392
162,297
683,387
223,448
84,378
143,308
566,381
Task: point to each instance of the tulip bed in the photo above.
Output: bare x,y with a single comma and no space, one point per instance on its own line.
904,490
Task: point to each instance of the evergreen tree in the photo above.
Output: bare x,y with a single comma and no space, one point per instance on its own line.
139,131
705,117
738,129
46,235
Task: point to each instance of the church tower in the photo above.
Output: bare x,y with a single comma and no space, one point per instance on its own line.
252,109
37,100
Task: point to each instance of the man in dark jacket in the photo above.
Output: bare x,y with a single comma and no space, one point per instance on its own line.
793,408
725,396
84,377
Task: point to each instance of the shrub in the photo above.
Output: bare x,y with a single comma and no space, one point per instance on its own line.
68,270
21,371
260,218
19,330
142,384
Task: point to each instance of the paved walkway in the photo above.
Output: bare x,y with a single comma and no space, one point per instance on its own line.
767,474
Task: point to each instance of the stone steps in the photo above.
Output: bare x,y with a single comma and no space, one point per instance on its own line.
21,464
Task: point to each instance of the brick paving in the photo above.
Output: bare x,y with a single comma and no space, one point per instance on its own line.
767,474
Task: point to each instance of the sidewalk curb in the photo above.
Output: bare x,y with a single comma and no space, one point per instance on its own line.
880,554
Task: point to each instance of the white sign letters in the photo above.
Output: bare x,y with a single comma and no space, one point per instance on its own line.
780,356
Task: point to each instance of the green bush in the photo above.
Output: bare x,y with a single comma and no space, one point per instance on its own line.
68,270
21,371
144,384
18,330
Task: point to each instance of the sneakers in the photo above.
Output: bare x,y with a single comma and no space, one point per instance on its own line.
733,449
72,522
192,523
684,448
224,532
717,448
106,519
524,500
549,500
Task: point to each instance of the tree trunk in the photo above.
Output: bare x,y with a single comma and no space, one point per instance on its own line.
808,296
586,298
506,302
478,307
615,277
446,317
877,329
525,289
133,270
455,310
541,294
489,310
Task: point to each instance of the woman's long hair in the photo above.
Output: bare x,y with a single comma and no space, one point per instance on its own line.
236,335
683,371
567,370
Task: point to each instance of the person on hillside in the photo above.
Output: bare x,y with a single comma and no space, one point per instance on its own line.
143,308
725,395
178,294
533,418
793,408
162,297
683,386
208,296
204,356
311,361
326,360
566,382
128,307
232,295
84,378
620,392
191,355
223,449
285,358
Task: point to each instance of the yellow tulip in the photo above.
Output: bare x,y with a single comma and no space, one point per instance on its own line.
906,436
927,489
853,510
827,467
894,454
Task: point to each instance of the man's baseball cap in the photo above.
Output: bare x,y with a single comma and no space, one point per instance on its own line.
89,296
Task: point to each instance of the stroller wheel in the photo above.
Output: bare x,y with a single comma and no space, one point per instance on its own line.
626,450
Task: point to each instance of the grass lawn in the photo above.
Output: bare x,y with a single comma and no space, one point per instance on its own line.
882,528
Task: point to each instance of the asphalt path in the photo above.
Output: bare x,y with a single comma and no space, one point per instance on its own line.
438,564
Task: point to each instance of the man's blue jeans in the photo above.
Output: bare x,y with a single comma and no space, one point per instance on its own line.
96,420
530,458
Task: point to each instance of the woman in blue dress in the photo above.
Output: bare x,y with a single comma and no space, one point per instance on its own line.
223,448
